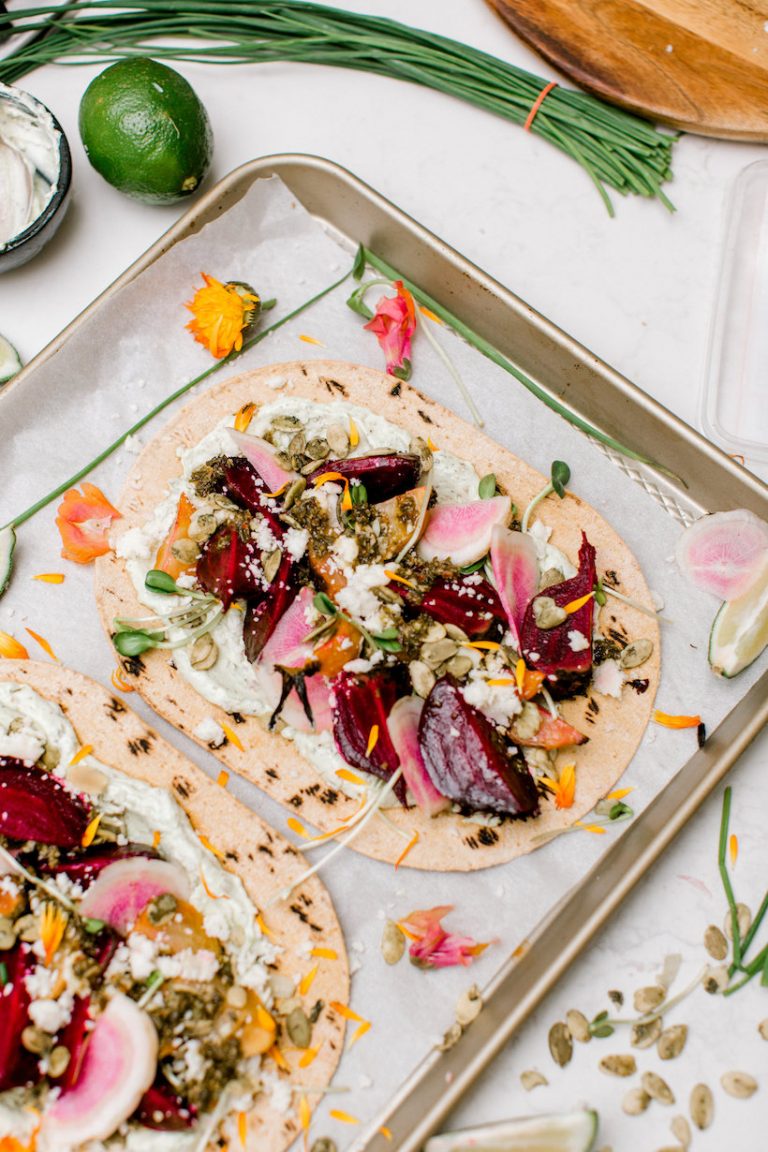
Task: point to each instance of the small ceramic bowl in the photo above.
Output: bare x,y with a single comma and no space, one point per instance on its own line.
42,130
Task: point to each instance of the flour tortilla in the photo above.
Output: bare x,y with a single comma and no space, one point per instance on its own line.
263,860
447,842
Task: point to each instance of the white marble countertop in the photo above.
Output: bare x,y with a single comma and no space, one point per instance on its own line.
638,291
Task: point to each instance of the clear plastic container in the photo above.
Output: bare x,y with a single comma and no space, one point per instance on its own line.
735,402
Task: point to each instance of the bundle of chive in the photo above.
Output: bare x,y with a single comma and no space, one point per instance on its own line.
616,149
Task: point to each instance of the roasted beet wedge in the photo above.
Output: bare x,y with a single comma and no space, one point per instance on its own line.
468,759
34,805
17,1066
383,476
360,700
261,616
244,487
549,650
75,1040
163,1110
469,602
229,567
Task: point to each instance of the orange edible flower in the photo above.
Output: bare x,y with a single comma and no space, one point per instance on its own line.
278,1058
619,793
41,640
243,417
312,340
233,738
208,891
223,778
354,435
325,953
574,605
411,844
165,560
386,1133
156,838
350,777
221,314
430,442
432,946
346,1012
309,1057
393,324
11,649
305,1116
90,831
84,521
373,737
307,981
297,827
119,681
263,927
597,829
50,577
207,844
359,1032
483,645
81,754
343,1117
53,922
563,789
11,1144
733,847
242,1127
668,721
400,579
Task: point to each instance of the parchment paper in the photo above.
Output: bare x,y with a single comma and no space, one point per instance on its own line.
133,352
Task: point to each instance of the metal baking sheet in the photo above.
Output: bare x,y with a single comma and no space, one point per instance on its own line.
709,481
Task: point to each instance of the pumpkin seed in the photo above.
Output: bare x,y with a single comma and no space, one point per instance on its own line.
203,525
185,550
437,652
324,1144
450,1038
35,1040
469,1006
204,653
528,721
270,564
531,1079
646,999
672,1041
298,463
681,1130
622,1065
459,665
551,577
578,1026
547,614
635,654
715,943
286,423
299,1028
657,1088
702,1106
392,943
635,1102
715,980
744,919
284,460
297,444
294,492
763,1028
456,633
739,1084
645,1034
58,1061
309,468
7,934
27,928
560,1044
435,631
422,678
338,440
317,448
423,451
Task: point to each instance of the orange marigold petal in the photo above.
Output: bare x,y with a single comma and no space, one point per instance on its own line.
232,736
668,721
84,520
11,649
223,778
50,577
343,1117
119,682
411,844
307,981
325,953
41,640
243,417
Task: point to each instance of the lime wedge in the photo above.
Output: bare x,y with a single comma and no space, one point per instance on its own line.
740,631
561,1132
10,362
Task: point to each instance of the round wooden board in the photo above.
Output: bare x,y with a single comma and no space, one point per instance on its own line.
264,861
447,842
702,67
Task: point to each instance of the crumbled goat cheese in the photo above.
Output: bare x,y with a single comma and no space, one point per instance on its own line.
577,641
142,954
499,702
295,542
346,549
22,746
51,1015
357,596
132,545
608,679
210,732
199,967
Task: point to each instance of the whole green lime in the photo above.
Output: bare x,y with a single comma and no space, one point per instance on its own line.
145,131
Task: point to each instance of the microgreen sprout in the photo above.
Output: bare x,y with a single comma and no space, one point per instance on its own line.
560,474
487,487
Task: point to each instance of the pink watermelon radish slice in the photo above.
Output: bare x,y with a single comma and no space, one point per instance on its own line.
516,572
264,459
724,553
462,532
403,725
286,647
118,1067
554,732
123,890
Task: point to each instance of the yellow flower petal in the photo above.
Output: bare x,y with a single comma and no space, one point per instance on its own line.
11,649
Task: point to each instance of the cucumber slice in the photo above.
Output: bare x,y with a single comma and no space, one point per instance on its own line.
7,547
559,1132
10,361
740,631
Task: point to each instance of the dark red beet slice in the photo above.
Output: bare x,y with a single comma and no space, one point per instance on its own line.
567,672
245,487
470,603
17,1066
75,1039
261,616
34,805
229,567
383,476
360,700
162,1110
468,759
85,867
